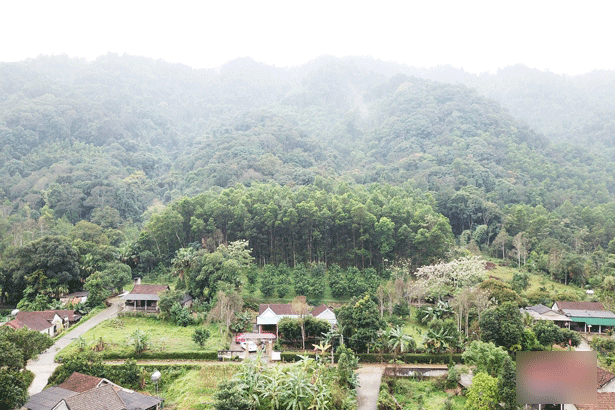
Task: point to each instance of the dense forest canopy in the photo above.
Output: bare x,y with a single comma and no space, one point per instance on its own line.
348,161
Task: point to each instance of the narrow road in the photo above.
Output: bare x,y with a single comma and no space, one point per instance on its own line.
44,365
369,385
584,346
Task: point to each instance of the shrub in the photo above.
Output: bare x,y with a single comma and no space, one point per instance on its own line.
200,336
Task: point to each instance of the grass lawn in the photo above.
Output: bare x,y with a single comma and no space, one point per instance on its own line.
164,336
195,390
411,393
536,281
412,328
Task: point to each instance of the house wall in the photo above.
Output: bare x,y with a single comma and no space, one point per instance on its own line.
58,325
329,316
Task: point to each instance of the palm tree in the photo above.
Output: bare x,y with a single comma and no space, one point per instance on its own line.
399,341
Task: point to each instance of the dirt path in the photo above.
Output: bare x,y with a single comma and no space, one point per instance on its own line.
369,386
44,365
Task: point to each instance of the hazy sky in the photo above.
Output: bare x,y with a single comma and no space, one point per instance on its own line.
562,36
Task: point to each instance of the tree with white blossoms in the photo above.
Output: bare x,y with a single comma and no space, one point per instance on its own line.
458,273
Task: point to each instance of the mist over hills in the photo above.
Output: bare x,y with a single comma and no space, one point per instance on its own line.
126,131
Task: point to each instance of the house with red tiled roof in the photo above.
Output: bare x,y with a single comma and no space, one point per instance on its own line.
604,401
325,312
79,382
50,322
84,392
269,314
146,297
606,381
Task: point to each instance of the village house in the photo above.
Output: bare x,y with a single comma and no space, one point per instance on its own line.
541,312
585,315
83,392
145,298
49,322
74,298
604,401
606,381
269,314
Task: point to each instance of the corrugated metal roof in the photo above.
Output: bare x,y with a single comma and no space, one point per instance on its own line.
594,321
590,313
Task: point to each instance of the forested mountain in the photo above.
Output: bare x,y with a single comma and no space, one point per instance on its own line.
115,140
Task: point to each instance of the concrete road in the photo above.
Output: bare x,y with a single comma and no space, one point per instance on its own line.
44,365
583,347
370,376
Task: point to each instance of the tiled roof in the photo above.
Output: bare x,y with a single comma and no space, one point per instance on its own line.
34,320
77,294
282,309
149,289
579,305
48,398
72,316
278,308
605,401
79,382
138,401
604,377
15,324
100,398
318,310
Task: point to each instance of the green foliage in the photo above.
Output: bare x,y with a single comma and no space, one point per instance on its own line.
547,333
302,385
169,298
139,341
500,291
242,322
118,275
180,316
502,325
486,357
14,388
529,342
361,322
231,396
483,394
507,386
569,338
200,336
289,329
98,285
442,335
347,363
520,281
29,343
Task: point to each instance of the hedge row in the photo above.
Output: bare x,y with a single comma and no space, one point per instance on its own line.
385,358
156,356
286,357
421,358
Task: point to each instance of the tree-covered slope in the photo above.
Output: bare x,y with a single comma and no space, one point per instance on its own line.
106,140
